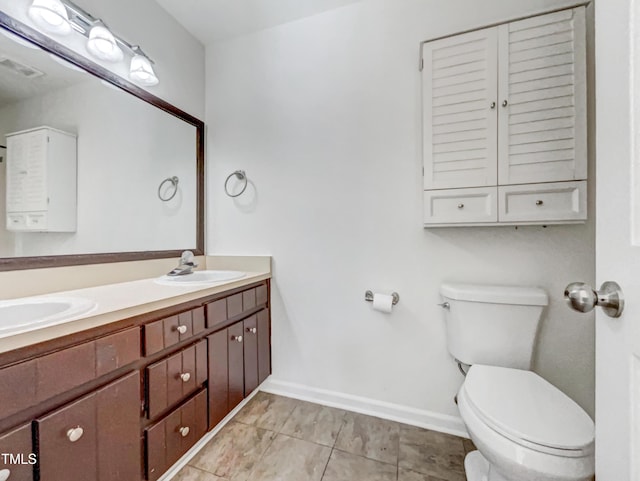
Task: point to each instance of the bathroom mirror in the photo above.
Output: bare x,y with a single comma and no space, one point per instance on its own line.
139,161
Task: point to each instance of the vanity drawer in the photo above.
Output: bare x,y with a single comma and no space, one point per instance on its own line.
166,332
17,388
461,206
174,378
17,443
16,221
543,202
168,439
117,350
37,221
236,305
26,384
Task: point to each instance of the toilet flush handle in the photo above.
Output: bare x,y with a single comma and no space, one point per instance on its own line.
444,305
582,297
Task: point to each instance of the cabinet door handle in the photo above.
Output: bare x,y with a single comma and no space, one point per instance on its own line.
252,330
236,338
4,474
185,376
460,206
539,202
184,431
505,103
74,434
493,105
182,329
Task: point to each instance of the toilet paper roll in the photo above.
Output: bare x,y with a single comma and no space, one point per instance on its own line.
382,302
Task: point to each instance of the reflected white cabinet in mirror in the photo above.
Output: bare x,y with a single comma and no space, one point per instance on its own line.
505,124
41,181
128,142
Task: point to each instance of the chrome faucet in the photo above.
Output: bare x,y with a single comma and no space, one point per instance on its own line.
186,265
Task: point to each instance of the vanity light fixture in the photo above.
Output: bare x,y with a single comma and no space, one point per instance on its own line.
102,44
63,16
141,69
51,15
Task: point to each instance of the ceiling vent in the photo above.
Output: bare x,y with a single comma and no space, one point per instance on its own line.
19,68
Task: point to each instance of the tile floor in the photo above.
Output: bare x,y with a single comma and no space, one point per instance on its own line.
274,438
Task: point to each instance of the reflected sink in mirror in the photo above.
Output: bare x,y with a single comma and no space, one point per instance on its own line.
200,278
27,314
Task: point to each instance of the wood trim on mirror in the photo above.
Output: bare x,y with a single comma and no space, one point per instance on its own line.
51,46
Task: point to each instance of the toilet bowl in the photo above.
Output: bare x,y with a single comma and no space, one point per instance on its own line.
525,429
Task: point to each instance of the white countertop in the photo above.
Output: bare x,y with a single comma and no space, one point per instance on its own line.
115,302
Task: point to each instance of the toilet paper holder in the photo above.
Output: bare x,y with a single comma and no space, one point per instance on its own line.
368,296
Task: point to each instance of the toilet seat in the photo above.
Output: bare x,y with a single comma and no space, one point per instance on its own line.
529,411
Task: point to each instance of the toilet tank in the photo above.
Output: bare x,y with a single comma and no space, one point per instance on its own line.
493,325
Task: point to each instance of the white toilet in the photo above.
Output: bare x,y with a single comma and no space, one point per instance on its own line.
525,429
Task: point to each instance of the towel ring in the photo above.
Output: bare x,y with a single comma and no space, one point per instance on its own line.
240,174
174,182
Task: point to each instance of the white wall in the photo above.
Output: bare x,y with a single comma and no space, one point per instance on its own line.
324,115
178,55
126,147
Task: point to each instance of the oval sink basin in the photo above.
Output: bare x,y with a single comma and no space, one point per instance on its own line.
200,278
27,314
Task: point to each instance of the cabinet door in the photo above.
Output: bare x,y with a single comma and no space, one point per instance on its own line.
250,354
459,110
67,442
218,377
27,171
94,438
17,448
118,422
542,95
236,364
264,346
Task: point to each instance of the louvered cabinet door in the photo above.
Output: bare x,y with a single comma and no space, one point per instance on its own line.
460,112
542,94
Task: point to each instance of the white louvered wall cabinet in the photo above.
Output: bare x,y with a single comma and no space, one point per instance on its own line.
41,183
505,124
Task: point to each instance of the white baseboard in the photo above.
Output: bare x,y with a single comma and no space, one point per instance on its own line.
394,412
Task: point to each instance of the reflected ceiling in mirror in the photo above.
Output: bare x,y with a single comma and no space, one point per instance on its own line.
126,178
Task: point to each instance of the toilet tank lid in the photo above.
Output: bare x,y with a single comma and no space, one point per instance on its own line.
520,295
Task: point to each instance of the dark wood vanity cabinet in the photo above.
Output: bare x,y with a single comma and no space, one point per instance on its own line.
239,360
124,402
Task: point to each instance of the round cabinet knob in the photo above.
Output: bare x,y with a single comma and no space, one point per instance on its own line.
74,434
493,105
182,329
4,474
184,431
460,206
236,338
252,330
185,376
539,202
505,103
